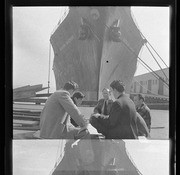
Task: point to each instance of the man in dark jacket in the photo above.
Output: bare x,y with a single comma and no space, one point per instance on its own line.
121,123
143,110
142,127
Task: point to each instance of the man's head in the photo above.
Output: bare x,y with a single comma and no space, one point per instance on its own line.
117,88
78,97
70,86
106,93
138,100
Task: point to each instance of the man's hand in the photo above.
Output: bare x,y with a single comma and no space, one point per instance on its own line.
96,115
83,128
104,116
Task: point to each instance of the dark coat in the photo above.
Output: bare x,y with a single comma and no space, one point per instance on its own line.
144,111
142,127
98,107
122,121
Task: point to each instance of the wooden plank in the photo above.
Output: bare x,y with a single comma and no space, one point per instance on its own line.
28,87
29,134
26,113
23,94
43,95
21,88
27,91
19,117
34,128
31,100
25,122
27,107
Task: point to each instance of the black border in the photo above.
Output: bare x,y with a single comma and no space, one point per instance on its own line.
8,62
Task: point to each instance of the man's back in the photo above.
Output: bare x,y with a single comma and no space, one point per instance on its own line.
128,114
54,114
121,123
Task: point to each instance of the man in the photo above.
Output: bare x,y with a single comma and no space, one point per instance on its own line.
104,105
121,123
77,99
53,118
142,127
143,110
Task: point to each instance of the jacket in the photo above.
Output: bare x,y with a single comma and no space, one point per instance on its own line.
99,106
144,111
122,121
54,114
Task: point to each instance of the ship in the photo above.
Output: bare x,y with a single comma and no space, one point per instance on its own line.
94,46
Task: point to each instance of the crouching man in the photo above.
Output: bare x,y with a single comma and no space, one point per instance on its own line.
53,119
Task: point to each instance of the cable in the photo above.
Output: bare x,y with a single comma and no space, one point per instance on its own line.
137,55
142,61
157,77
146,38
49,66
147,89
156,53
156,62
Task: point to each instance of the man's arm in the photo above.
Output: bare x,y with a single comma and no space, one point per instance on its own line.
69,106
142,127
148,119
114,115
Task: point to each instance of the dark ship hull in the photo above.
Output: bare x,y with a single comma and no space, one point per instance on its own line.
94,46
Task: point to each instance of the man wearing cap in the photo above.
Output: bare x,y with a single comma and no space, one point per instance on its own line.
54,115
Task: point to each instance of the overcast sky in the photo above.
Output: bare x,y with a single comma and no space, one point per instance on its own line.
32,27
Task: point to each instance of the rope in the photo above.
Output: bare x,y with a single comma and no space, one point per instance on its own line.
157,62
142,61
146,38
49,66
153,74
157,76
156,53
146,88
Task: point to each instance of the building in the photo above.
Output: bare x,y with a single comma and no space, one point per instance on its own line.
149,84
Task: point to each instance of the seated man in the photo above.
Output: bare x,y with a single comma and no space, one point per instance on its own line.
104,105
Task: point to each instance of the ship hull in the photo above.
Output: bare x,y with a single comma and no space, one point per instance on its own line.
95,62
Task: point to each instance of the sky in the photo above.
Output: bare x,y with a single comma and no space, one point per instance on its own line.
33,26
